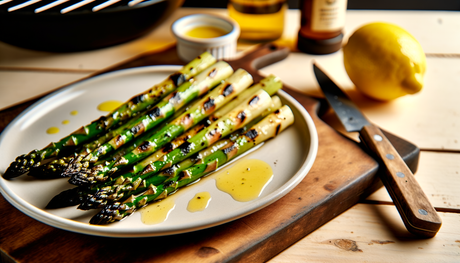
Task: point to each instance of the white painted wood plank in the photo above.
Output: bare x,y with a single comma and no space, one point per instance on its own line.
17,86
437,32
430,119
374,233
439,176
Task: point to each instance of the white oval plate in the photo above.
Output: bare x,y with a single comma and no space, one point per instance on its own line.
291,155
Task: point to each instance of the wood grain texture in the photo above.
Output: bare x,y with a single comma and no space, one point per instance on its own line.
374,233
342,174
438,175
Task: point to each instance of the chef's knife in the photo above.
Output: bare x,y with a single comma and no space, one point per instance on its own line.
419,216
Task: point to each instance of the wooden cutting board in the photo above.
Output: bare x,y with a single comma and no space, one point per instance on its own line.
342,174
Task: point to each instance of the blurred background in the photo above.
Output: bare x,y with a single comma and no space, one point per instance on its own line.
357,4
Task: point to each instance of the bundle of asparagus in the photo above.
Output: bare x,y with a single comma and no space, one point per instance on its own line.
269,127
180,130
135,105
224,118
137,182
236,83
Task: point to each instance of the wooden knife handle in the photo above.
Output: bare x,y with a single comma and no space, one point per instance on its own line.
413,205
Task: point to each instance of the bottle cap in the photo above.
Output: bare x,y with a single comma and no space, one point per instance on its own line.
319,46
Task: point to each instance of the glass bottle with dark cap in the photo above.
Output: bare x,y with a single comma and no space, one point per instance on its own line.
321,26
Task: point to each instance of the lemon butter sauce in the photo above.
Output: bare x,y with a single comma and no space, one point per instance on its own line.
245,180
206,32
157,212
199,202
52,130
109,105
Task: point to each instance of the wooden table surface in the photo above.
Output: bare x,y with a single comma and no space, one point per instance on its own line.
370,231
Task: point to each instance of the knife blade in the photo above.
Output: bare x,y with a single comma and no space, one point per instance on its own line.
416,211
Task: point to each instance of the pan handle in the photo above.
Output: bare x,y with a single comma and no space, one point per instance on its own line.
259,57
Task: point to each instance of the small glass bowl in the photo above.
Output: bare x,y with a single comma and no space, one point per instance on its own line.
222,47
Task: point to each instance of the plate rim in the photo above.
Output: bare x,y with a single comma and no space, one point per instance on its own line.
43,216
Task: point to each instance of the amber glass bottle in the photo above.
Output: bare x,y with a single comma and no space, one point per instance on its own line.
321,25
259,20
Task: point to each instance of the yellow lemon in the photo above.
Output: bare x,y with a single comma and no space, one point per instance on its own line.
384,61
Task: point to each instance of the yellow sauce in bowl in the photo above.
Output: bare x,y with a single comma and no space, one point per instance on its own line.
206,32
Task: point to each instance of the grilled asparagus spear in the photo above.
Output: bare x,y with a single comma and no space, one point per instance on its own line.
136,104
203,108
266,129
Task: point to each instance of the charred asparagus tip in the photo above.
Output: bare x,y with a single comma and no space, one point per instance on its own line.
64,199
22,164
111,213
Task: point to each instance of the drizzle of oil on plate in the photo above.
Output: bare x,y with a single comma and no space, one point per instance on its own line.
245,180
199,202
157,212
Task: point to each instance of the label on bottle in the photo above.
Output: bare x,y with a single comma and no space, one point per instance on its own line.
328,15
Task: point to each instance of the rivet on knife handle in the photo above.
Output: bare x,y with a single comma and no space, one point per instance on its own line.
415,209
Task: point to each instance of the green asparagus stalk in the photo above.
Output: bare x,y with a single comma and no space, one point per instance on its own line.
266,129
234,120
23,163
129,184
203,108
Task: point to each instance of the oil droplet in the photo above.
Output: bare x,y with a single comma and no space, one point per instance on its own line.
245,180
199,202
65,122
109,105
74,112
206,32
157,212
52,130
